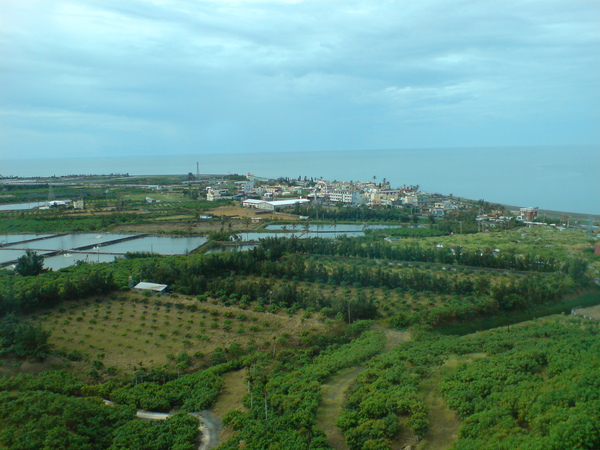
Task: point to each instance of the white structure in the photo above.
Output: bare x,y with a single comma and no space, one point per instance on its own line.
528,214
245,186
155,287
347,197
274,205
216,194
419,200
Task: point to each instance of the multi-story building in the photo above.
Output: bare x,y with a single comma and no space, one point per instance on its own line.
213,194
347,197
418,200
528,214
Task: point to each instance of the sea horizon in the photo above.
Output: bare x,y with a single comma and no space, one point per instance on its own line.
558,178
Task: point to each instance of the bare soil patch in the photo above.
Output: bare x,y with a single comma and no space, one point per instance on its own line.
199,227
11,366
393,338
593,312
238,211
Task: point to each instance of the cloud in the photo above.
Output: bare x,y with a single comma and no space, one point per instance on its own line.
162,76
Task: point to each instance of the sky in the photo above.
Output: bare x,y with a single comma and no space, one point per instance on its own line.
154,77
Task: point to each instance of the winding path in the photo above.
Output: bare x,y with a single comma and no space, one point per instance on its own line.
210,425
333,396
333,393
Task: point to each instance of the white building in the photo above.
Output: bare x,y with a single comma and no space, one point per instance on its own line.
274,205
347,197
216,194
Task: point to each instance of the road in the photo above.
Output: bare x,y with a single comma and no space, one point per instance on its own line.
210,425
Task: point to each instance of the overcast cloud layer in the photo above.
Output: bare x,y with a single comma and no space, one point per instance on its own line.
127,77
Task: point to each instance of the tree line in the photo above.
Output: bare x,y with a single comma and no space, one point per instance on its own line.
457,255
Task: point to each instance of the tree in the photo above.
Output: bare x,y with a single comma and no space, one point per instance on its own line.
247,222
30,264
23,339
576,268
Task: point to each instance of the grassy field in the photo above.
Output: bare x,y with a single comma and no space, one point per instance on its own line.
546,241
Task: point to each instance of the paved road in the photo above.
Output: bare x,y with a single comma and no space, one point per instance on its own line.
210,425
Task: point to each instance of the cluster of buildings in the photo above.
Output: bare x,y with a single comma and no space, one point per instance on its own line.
273,195
374,195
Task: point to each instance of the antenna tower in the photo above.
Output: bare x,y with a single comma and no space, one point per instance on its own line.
197,171
50,193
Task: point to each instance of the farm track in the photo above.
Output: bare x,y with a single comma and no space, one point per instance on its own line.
209,424
334,392
234,389
333,396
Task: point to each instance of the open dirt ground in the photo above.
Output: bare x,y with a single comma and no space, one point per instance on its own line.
238,211
593,312
333,398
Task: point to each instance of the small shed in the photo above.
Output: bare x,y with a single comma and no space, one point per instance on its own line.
143,286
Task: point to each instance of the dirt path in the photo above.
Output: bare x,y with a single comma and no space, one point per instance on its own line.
333,398
393,338
444,422
334,392
230,398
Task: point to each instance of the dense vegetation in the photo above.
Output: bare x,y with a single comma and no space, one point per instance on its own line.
189,392
50,411
531,386
283,397
537,386
23,339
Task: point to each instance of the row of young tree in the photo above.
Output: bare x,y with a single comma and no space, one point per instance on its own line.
365,248
276,266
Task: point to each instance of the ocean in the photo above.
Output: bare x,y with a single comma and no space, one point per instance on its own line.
560,178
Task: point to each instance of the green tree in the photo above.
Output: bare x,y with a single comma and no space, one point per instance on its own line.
576,268
30,264
23,339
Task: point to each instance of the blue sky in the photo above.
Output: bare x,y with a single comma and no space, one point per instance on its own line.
131,77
